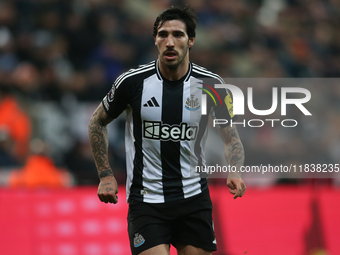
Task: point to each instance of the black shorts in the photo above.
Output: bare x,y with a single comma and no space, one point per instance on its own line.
187,221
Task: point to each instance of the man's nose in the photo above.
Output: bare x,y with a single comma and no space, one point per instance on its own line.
170,41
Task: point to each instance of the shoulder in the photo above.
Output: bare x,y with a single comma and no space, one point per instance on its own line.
199,71
136,74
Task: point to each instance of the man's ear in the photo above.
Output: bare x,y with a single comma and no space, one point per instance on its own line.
191,41
155,40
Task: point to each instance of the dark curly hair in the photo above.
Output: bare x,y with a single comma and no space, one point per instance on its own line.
185,14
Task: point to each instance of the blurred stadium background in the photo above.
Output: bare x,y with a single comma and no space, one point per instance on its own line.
59,58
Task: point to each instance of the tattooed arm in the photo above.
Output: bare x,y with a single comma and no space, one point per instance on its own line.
234,155
108,188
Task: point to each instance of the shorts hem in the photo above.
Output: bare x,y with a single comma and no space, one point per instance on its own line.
136,252
197,246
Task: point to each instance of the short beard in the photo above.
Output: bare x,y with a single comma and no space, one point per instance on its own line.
175,66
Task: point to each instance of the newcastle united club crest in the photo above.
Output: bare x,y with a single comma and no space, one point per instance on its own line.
138,240
192,104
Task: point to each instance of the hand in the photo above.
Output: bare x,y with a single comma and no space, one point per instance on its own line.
236,185
108,189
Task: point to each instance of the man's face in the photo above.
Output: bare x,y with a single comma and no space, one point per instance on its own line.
173,43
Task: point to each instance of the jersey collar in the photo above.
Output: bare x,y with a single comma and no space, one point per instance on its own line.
160,77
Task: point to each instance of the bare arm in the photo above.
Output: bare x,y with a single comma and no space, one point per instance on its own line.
234,155
107,189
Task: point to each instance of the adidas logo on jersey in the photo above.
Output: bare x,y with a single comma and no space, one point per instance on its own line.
151,103
159,131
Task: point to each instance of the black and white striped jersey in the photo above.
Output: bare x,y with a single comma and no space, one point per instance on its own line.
165,129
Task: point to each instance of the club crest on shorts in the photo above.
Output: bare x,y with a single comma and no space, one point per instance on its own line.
192,104
138,240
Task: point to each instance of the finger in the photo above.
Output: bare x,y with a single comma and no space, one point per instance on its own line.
238,190
105,198
243,188
115,199
100,194
115,196
231,188
231,184
111,195
112,198
232,191
100,197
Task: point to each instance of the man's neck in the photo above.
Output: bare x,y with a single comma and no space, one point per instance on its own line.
176,73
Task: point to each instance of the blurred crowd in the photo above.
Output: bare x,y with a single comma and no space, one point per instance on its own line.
59,58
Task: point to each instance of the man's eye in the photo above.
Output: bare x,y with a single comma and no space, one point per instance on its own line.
178,34
162,35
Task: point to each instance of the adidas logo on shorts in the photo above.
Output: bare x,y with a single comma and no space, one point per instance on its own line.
138,240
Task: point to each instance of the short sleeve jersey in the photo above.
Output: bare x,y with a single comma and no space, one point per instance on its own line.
166,129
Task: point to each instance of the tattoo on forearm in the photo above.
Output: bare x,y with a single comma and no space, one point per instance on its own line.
99,141
105,173
234,151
